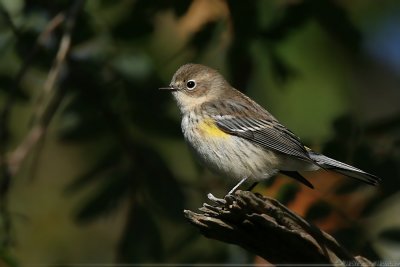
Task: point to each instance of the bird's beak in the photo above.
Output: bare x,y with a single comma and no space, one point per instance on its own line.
169,88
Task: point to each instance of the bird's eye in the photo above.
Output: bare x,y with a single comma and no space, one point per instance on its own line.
191,84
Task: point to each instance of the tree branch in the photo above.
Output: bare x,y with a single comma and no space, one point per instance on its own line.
267,228
9,166
51,98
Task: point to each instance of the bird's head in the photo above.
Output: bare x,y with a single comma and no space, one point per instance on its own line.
194,84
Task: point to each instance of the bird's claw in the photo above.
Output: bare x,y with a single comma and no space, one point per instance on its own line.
216,200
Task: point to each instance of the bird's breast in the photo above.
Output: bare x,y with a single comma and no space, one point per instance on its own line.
225,153
209,129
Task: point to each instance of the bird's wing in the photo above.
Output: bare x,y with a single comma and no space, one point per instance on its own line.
261,129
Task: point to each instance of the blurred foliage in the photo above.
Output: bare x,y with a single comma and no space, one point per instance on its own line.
127,133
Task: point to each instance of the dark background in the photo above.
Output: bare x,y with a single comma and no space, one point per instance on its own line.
93,164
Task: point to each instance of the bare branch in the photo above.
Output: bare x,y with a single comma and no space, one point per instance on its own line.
48,109
10,166
5,113
267,228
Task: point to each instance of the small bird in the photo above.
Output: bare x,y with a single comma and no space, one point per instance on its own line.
236,137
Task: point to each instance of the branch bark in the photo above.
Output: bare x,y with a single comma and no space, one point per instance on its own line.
51,97
267,228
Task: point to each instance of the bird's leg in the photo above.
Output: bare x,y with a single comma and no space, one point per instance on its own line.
237,186
221,201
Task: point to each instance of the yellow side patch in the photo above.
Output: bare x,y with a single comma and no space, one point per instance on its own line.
209,128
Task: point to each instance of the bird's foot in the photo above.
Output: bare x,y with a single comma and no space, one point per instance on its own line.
216,200
229,197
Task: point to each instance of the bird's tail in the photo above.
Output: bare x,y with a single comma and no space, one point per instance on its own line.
342,168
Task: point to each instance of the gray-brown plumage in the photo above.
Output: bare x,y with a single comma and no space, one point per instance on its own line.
235,136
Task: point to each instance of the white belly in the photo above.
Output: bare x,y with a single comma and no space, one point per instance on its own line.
230,155
236,157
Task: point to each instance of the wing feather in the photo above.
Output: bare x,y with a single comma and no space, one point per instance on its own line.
263,130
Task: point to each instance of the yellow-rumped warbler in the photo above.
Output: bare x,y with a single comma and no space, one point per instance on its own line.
236,137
